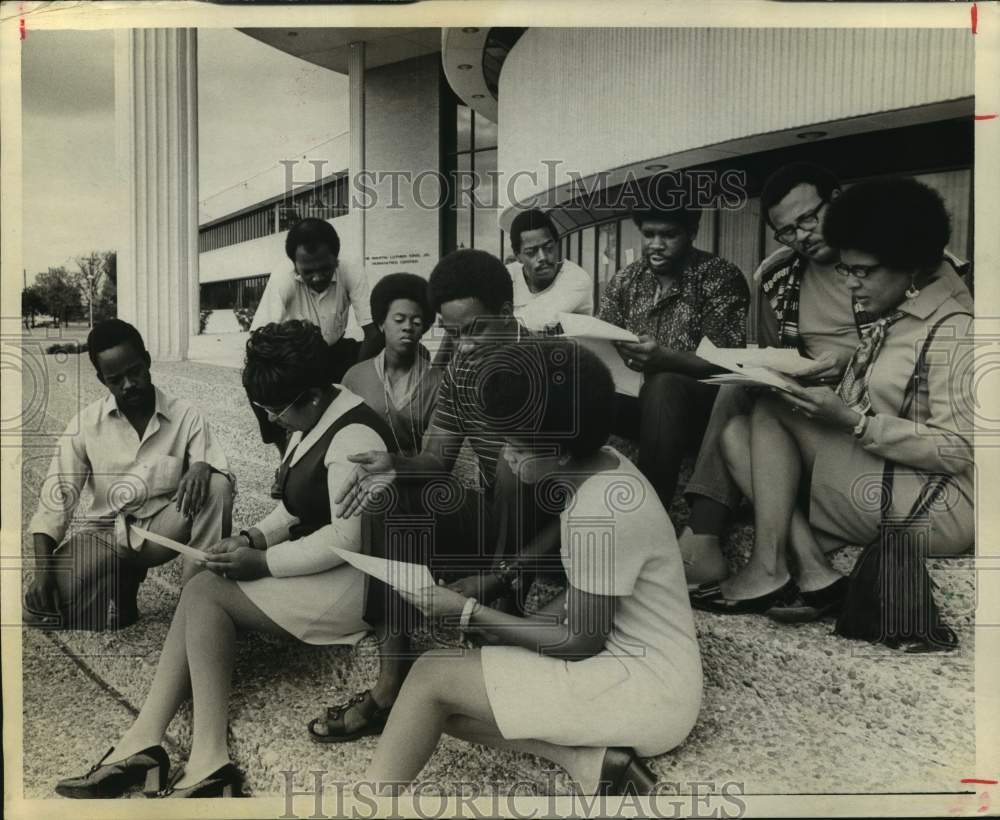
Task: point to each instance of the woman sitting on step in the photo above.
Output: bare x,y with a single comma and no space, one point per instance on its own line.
281,576
400,384
612,664
812,460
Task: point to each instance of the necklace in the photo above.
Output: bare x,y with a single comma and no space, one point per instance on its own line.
388,416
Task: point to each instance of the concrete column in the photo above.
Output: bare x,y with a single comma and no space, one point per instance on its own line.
356,77
156,117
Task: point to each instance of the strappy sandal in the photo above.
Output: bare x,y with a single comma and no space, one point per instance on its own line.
375,717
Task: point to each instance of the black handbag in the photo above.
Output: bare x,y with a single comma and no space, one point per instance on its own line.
890,596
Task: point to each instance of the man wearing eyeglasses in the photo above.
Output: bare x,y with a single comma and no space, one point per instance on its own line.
544,284
802,303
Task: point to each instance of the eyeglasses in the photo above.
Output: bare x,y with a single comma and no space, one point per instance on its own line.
857,271
807,222
546,248
277,416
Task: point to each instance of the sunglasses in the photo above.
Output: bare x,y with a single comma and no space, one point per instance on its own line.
276,416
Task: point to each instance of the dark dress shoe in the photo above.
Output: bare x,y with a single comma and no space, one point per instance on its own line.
709,598
622,772
813,605
148,768
226,781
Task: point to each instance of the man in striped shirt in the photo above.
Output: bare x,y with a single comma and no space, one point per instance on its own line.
486,543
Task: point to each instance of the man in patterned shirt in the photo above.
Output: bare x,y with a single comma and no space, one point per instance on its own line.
671,298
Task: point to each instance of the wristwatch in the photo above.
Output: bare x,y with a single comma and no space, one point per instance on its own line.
506,573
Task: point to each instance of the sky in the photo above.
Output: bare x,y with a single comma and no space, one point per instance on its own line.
256,106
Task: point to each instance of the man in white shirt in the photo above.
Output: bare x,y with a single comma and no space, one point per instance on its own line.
145,458
544,284
318,289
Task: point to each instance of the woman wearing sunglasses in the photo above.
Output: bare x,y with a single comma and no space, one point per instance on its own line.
812,459
281,577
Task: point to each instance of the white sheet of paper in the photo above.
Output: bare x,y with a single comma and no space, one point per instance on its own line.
753,376
398,574
176,546
780,359
578,325
597,336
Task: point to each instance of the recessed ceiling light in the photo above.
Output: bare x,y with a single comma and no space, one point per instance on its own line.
470,30
657,166
478,96
811,135
464,66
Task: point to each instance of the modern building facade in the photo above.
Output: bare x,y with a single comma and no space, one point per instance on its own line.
572,119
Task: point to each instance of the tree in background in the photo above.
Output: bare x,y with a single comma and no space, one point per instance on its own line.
107,299
59,293
89,280
32,304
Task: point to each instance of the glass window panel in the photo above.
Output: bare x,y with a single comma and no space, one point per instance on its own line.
486,133
487,236
606,256
706,232
463,128
463,205
631,250
738,236
587,257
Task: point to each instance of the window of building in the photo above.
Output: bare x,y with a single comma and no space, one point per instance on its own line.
472,219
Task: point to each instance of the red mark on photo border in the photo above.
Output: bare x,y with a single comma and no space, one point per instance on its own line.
20,28
975,18
976,779
986,117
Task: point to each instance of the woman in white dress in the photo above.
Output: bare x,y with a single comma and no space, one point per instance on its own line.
609,667
280,577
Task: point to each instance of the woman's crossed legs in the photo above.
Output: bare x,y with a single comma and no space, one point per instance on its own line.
197,659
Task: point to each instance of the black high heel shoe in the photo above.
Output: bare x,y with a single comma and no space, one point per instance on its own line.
226,781
622,771
148,768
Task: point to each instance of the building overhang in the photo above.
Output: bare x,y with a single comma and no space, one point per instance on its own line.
568,204
330,47
472,58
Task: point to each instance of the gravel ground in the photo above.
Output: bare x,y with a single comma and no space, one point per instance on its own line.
787,709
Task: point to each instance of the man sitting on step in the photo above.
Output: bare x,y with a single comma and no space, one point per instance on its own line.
146,458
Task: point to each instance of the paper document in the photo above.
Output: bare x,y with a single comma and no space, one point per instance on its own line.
598,336
754,366
176,546
754,376
399,574
579,325
780,359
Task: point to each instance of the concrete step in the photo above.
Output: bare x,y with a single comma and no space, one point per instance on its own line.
852,717
786,709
